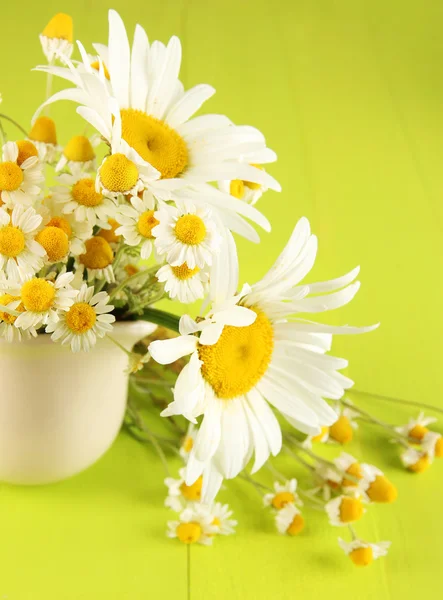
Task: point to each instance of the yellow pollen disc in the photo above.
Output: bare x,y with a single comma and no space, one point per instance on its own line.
79,149
62,224
183,272
237,362
421,465
190,229
281,499
439,448
188,444
156,142
96,65
237,188
80,318
192,492
382,490
11,176
189,533
38,295
341,431
60,27
355,471
351,509
216,522
131,270
118,173
109,234
84,193
319,437
55,241
6,299
251,184
296,525
98,254
362,557
44,131
146,224
418,432
26,149
12,241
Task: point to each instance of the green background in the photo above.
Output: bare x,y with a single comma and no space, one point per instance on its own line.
350,95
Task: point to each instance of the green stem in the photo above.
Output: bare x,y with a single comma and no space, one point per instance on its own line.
3,116
405,402
130,279
299,459
161,317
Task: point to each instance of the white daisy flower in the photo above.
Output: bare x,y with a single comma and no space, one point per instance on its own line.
78,156
77,231
246,353
183,283
363,553
43,135
247,191
194,526
188,442
289,520
221,518
350,469
417,427
432,444
283,495
19,180
328,478
137,221
342,431
56,38
78,196
44,300
375,486
156,113
8,330
87,320
415,460
343,510
180,494
20,254
98,259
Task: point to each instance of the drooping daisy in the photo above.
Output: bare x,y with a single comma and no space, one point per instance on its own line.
375,486
432,444
137,221
56,38
98,259
289,520
247,353
179,494
194,526
320,438
351,469
43,135
342,431
156,113
343,510
183,283
44,300
20,254
78,156
87,320
283,495
19,182
188,442
221,519
186,234
8,330
416,428
79,197
363,553
415,460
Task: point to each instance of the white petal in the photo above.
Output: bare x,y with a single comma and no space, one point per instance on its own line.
168,351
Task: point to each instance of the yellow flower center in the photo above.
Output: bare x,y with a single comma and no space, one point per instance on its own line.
351,509
190,229
44,131
188,444
237,188
84,193
439,448
98,254
62,224
146,224
418,432
11,176
216,522
341,431
281,499
192,492
183,272
296,525
318,438
109,234
155,142
80,318
237,362
421,465
131,270
96,65
55,241
59,27
6,299
382,490
12,241
189,533
355,471
362,557
38,295
26,149
118,173
79,149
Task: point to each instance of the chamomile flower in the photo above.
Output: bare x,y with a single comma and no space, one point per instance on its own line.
289,520
77,231
415,460
186,234
283,495
179,494
87,320
247,355
8,330
221,519
417,427
98,259
20,254
350,468
19,181
342,431
195,526
247,191
188,442
318,438
375,486
328,480
78,156
44,300
183,283
108,232
56,38
43,135
137,221
432,444
78,196
363,553
343,510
